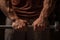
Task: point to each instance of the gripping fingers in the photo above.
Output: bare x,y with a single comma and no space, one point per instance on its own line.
14,25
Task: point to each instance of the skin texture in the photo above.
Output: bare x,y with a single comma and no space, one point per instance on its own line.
40,23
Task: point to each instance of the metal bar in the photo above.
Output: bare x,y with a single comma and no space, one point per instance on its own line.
6,26
10,26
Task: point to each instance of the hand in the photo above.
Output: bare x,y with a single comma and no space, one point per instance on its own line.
40,24
19,24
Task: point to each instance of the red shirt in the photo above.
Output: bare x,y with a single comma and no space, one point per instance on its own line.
27,8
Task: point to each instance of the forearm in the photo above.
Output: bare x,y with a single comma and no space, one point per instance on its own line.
3,6
12,15
7,11
48,7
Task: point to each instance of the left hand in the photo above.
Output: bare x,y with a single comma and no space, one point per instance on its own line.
40,24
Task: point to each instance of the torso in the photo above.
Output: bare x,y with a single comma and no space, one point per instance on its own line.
27,8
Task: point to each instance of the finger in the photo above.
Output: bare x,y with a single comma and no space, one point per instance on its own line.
23,24
20,26
14,25
38,25
26,23
15,28
42,28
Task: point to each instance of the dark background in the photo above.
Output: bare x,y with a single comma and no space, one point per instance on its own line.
2,22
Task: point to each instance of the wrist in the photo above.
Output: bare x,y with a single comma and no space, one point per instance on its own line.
13,19
42,17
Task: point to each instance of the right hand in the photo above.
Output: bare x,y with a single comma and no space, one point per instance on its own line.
19,24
